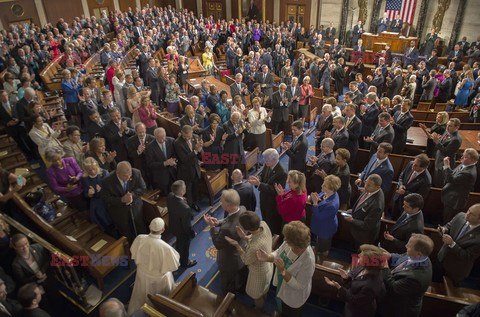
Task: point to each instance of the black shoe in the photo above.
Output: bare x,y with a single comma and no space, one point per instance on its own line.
196,208
190,263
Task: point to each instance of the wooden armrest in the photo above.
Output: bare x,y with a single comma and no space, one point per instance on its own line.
224,305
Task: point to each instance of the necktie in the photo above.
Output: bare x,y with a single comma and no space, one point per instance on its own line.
444,137
190,145
293,91
4,310
334,134
402,219
460,168
264,77
361,200
412,177
348,122
400,267
164,150
8,108
462,232
125,185
400,116
101,124
377,163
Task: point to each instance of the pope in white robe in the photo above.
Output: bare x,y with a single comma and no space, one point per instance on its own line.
155,260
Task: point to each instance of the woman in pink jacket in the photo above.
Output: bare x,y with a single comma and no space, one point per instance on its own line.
291,204
147,114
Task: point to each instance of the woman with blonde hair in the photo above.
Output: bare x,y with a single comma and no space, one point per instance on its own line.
208,63
133,103
291,204
461,98
439,127
147,114
385,104
307,93
257,117
91,183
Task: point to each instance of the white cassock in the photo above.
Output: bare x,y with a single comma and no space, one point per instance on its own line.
155,260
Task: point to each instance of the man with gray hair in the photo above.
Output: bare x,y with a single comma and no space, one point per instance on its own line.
234,128
160,161
272,174
112,307
280,106
21,108
180,221
228,258
244,190
322,164
239,88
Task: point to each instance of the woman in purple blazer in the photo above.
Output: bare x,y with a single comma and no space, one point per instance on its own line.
64,177
324,221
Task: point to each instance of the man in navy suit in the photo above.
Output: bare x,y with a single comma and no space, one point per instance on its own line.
383,133
411,221
297,150
369,116
402,121
415,178
379,164
382,25
244,190
325,162
117,132
339,133
354,127
136,146
447,145
456,56
397,24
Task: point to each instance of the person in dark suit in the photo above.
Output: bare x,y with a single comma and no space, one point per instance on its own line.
397,24
122,192
339,76
411,221
357,33
402,121
415,178
395,84
37,254
383,133
339,133
330,32
239,88
458,183
379,164
193,119
409,280
153,81
234,128
280,107
297,150
366,284
456,56
368,114
411,55
30,296
378,80
228,259
432,61
161,162
364,217
117,132
143,63
179,222
354,127
429,45
231,57
295,93
188,153
265,79
12,307
326,79
446,144
444,87
461,248
136,146
428,84
244,190
272,174
324,123
322,165
383,23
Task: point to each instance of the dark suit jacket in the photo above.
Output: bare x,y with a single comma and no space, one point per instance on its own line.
22,271
12,306
419,185
325,80
445,88
401,127
369,120
431,63
428,88
451,55
458,185
268,89
268,202
234,91
280,109
298,154
366,218
354,131
394,87
179,217
458,261
138,161
233,143
405,289
94,130
188,165
247,195
327,125
185,120
162,176
401,232
153,81
115,142
298,94
345,190
381,135
325,162
396,26
340,138
384,170
449,148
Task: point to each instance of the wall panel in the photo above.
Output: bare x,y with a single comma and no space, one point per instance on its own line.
191,5
29,12
124,4
55,9
95,5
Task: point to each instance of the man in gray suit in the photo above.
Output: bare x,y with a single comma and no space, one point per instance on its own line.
265,79
458,183
339,133
315,72
446,145
239,88
228,259
383,132
366,212
295,93
461,238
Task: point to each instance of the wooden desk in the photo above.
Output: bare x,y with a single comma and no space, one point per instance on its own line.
398,44
196,68
194,83
469,138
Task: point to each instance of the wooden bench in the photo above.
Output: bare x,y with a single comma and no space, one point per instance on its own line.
214,183
155,206
51,74
463,125
431,115
274,140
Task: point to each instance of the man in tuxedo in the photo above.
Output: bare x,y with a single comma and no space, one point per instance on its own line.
397,24
188,153
411,221
152,80
395,84
456,56
339,133
295,93
383,133
193,119
446,145
228,259
369,115
415,178
379,164
321,164
354,127
234,128
297,150
122,192
265,79
280,107
330,32
364,217
324,123
180,216
136,146
458,183
402,121
444,87
461,244
409,280
239,88
272,174
14,128
383,23
244,190
116,133
161,162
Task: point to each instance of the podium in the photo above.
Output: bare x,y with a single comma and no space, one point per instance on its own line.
398,43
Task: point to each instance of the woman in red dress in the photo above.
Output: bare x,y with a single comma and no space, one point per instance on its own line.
291,204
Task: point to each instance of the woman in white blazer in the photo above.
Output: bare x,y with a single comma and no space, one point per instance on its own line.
295,264
44,136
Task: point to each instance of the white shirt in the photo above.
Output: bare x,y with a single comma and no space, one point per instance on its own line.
257,120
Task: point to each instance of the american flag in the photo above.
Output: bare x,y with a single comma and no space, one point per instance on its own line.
406,8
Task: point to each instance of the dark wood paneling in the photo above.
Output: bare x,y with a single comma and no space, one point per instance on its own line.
269,15
55,9
283,10
158,3
93,4
204,7
124,4
191,5
29,12
234,9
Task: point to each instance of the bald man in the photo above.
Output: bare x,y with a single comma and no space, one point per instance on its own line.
245,190
122,191
112,307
